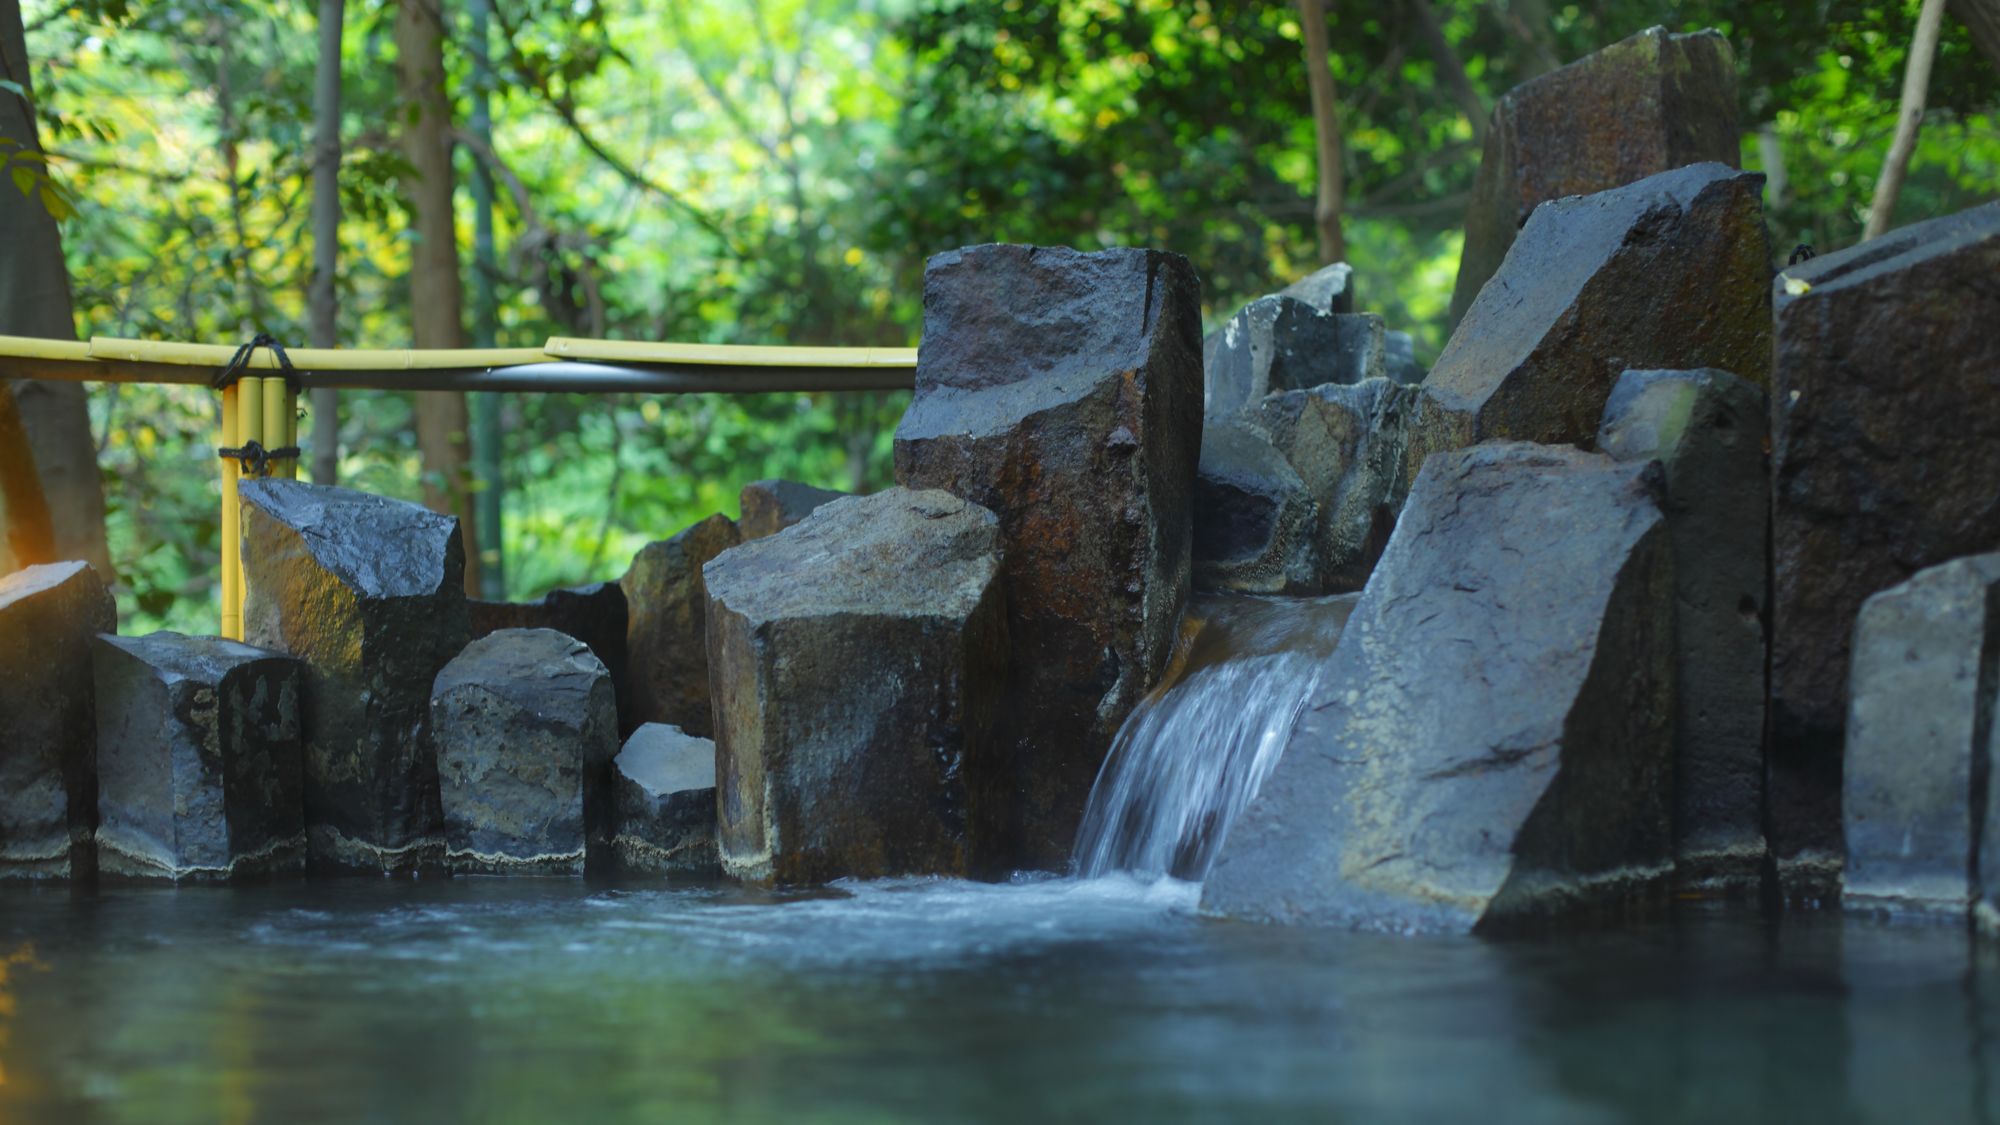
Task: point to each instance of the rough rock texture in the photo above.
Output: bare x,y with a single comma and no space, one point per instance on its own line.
1399,358
1643,105
1707,430
1492,738
370,593
48,727
856,660
1348,444
1277,343
663,804
665,638
771,506
1062,392
593,614
1920,719
526,725
1669,272
1253,519
199,759
1330,289
1885,428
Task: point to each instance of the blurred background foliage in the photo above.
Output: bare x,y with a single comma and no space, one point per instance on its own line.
777,171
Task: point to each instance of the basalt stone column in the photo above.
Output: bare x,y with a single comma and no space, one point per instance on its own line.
1669,272
665,638
1920,723
1643,105
1063,392
370,594
663,805
1253,518
48,725
1885,430
1349,444
526,724
771,506
594,614
1492,739
1277,343
199,758
857,658
1707,430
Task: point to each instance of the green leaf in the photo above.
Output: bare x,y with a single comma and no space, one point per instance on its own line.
24,179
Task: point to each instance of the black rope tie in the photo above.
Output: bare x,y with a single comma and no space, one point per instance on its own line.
254,458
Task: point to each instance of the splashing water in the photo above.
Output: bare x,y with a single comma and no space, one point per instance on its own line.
1194,753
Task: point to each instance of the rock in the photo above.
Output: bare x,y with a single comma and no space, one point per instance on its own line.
1253,519
857,659
663,804
665,637
199,759
771,506
526,725
1062,392
370,594
1707,430
1669,272
1330,289
1492,739
48,725
1399,358
1920,722
1885,452
594,614
1276,343
1644,105
1348,444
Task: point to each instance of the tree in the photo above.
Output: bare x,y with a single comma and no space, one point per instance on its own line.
323,300
1326,134
24,513
35,301
437,293
1909,118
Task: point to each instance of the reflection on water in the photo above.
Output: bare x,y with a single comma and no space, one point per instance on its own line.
918,1000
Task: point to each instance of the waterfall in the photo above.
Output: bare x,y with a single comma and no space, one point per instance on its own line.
1194,752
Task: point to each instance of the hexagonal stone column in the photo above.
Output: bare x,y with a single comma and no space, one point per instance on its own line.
48,725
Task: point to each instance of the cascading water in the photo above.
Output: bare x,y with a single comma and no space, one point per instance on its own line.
1194,753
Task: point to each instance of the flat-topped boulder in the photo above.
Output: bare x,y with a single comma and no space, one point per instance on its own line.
857,659
1669,272
526,725
1707,430
665,636
594,614
370,593
1647,104
1885,435
48,725
1920,740
663,805
1062,391
1492,738
1348,444
199,759
771,506
1253,518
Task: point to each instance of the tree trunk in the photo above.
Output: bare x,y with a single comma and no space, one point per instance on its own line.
24,514
323,300
1326,134
35,301
1450,67
1982,18
1909,118
437,293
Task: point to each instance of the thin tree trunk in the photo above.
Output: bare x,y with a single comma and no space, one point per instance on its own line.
1982,18
1450,67
437,293
1909,118
323,299
1326,134
35,301
1529,21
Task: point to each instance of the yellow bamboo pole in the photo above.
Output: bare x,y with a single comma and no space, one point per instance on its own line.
277,404
232,531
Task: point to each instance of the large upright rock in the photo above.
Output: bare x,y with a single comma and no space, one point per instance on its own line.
594,614
1669,272
1493,735
199,752
1925,686
771,506
1349,444
665,639
48,726
1062,391
1253,518
663,805
857,658
526,726
1885,429
1707,430
1643,105
370,593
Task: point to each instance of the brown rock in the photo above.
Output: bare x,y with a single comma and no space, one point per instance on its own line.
666,646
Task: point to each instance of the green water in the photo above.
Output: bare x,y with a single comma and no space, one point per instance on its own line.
935,1001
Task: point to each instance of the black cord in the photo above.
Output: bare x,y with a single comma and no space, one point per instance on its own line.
251,455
